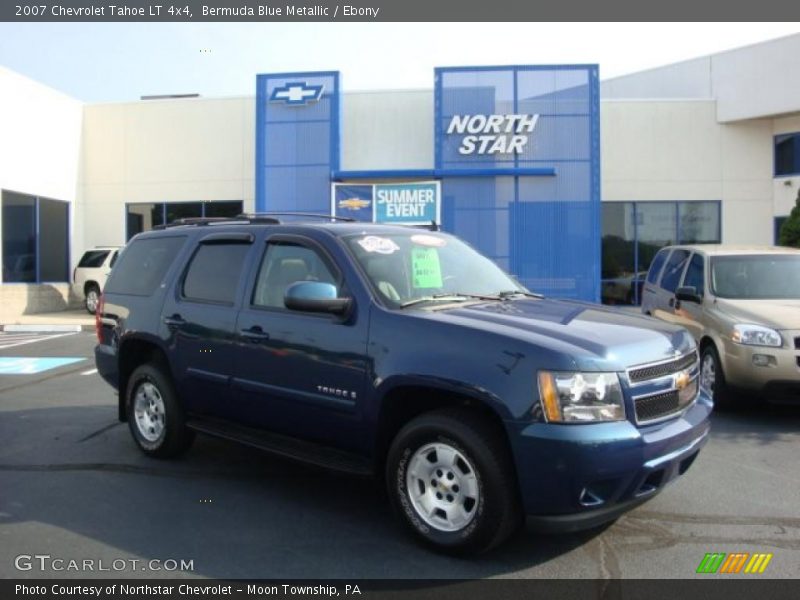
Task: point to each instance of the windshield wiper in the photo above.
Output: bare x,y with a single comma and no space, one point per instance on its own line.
504,295
448,296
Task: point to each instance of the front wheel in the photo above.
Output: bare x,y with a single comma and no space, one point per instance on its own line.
712,378
155,416
450,478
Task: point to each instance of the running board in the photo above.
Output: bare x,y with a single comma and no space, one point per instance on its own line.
304,451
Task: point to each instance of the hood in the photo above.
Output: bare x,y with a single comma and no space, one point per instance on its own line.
777,314
593,336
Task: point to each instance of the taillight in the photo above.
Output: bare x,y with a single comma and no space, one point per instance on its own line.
98,321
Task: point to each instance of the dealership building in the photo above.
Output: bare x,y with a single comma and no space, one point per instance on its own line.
570,182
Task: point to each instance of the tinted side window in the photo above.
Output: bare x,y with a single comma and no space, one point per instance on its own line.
695,274
655,267
113,259
285,264
674,269
214,272
93,259
142,266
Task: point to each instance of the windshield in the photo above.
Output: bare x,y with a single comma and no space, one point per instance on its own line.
756,277
417,267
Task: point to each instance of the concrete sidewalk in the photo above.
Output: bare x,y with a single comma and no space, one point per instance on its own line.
72,319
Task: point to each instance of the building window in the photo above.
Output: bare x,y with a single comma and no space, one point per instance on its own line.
634,232
144,216
787,154
35,239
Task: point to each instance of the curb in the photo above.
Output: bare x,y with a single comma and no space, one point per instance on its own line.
41,328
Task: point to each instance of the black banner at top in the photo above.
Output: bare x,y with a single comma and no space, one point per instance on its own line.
393,10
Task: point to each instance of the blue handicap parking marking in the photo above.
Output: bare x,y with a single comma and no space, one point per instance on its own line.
24,365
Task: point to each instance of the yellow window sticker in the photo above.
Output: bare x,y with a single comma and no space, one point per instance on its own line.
425,267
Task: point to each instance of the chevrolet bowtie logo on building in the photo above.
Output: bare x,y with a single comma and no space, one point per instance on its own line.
734,563
354,203
297,93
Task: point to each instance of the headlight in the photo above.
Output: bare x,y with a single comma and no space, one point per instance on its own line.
580,397
756,335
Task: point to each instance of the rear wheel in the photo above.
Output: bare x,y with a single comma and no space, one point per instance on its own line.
155,417
450,478
92,299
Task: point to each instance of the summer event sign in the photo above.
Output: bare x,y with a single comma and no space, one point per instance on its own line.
400,203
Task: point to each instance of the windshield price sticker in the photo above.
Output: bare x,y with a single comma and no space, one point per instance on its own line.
428,240
425,267
373,243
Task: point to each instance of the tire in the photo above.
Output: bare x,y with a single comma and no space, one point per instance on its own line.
92,299
712,378
155,416
468,462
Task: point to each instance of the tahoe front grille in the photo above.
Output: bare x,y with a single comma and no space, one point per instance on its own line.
650,408
638,374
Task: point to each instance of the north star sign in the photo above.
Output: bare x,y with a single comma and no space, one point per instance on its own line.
492,134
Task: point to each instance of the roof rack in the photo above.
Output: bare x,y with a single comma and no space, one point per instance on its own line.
250,218
200,221
295,214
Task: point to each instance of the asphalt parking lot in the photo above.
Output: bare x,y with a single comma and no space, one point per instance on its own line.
74,486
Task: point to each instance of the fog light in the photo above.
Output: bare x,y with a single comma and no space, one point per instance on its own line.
764,360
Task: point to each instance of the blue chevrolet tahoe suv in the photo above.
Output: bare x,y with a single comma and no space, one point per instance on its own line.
400,352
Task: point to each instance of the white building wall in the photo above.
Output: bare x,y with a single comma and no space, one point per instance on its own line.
376,130
751,82
163,151
676,150
40,140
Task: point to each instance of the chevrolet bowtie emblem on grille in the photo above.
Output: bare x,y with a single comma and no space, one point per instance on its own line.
682,379
297,93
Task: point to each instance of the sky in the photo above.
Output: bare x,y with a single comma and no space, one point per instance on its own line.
105,62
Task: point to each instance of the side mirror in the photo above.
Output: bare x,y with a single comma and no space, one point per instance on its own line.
689,294
315,296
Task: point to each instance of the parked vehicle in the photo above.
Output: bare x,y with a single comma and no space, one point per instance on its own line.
89,277
401,353
742,304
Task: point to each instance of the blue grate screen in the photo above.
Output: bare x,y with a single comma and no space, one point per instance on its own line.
297,145
544,229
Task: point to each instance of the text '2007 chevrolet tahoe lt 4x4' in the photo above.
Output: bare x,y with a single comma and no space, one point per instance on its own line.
403,353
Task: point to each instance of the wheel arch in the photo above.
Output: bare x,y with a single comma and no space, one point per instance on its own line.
133,352
405,401
90,283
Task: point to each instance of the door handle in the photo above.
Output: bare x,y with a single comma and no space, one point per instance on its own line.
254,334
174,321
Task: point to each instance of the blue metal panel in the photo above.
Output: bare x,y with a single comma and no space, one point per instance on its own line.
546,230
297,140
439,173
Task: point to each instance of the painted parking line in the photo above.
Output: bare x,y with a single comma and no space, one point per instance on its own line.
24,365
89,372
18,339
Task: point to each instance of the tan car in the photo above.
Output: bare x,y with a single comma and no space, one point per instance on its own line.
742,304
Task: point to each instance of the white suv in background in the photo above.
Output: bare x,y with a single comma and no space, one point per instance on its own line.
89,277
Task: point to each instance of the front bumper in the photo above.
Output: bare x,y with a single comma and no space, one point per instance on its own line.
575,477
777,381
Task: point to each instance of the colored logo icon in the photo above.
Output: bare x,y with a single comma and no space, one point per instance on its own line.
297,93
354,203
734,563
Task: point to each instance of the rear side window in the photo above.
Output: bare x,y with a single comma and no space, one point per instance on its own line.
214,272
674,269
143,264
695,274
113,259
93,259
655,268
